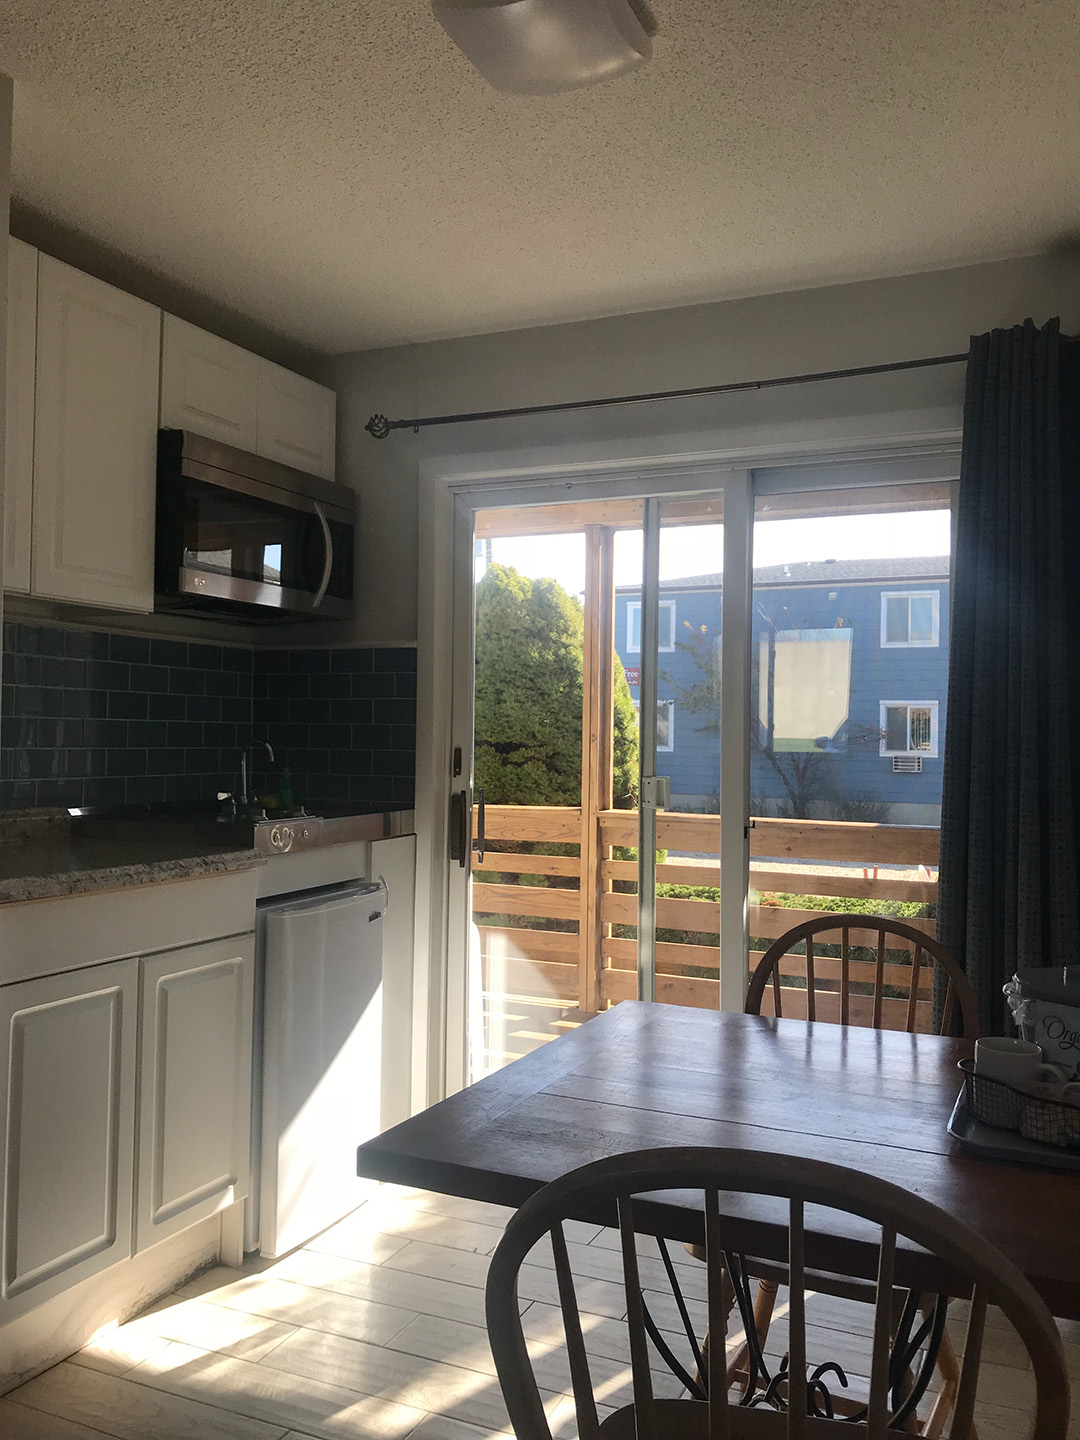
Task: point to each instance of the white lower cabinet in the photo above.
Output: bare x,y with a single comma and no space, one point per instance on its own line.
68,1106
125,1103
194,1085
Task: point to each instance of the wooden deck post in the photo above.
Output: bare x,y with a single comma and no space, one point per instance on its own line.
597,750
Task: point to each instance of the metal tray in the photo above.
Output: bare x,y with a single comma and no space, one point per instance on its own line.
991,1143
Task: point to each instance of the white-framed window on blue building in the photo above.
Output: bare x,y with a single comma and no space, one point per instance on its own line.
665,723
666,630
909,727
910,618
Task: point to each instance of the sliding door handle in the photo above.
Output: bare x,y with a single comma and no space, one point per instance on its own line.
481,810
460,825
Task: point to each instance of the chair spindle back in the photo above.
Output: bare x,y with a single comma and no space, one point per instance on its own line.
968,1263
830,981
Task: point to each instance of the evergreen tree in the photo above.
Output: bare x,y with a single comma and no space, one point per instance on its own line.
529,681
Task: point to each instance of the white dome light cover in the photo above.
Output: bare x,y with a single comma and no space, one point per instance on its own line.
539,47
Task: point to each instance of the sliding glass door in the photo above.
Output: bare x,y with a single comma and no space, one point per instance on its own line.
663,755
572,723
849,644
667,904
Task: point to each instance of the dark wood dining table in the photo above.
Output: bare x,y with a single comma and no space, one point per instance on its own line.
649,1075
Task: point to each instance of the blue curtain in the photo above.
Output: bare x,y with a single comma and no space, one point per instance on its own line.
1008,877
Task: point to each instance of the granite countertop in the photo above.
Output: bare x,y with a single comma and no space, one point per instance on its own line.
41,858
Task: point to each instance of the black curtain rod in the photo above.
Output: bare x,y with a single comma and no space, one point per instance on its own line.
379,426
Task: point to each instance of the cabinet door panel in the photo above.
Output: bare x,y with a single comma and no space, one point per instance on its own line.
19,435
95,441
207,384
68,1100
296,420
195,1092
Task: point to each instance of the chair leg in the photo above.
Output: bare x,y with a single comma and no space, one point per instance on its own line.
948,1368
728,1301
764,1304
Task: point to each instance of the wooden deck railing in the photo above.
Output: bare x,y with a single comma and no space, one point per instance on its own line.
589,965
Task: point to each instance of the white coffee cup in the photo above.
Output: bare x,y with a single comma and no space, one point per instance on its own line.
1018,1063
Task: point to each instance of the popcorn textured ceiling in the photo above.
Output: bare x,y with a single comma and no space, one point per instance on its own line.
335,170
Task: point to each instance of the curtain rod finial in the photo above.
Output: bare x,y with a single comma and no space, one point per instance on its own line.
378,427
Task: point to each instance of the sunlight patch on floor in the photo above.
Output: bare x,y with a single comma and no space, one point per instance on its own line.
376,1331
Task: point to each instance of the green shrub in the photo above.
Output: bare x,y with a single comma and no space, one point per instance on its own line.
851,905
529,638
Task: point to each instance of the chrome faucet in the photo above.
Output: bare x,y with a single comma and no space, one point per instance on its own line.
244,806
247,798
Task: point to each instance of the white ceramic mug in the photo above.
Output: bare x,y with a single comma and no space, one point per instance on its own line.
1018,1063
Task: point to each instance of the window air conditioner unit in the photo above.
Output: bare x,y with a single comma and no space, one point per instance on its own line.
907,764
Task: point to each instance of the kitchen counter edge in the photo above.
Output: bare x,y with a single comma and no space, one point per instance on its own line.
55,885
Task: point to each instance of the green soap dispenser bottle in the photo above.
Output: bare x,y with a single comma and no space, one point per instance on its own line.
285,789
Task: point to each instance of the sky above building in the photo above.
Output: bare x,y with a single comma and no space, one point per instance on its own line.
698,549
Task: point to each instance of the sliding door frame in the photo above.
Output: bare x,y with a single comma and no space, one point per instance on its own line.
451,491
735,623
649,802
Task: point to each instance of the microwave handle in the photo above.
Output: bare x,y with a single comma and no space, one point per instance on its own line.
328,563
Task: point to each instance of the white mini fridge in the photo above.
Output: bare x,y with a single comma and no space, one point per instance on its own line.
318,1056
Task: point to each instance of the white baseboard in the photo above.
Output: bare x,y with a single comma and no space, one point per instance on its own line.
52,1331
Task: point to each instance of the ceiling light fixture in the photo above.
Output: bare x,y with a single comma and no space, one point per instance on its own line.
540,47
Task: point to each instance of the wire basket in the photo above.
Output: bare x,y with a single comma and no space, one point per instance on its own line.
1037,1117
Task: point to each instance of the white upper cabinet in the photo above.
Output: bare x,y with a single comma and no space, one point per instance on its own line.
296,421
19,434
92,372
95,441
216,389
208,385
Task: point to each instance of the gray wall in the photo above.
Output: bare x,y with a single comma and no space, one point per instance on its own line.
835,327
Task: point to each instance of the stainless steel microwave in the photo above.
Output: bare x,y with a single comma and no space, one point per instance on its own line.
245,538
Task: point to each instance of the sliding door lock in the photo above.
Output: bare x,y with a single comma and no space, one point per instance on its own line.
656,791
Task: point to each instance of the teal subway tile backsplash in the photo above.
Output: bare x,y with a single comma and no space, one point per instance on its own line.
91,718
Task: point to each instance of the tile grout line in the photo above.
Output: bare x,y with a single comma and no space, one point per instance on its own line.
230,1410
294,1376
74,1419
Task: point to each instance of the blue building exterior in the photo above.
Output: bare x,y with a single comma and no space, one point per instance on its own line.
849,677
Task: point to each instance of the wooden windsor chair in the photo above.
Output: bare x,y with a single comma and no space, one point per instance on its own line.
969,1266
878,992
882,991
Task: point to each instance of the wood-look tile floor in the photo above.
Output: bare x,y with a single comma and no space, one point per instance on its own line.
375,1331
